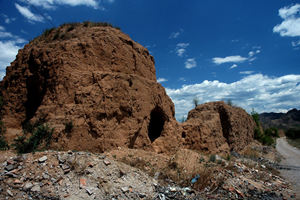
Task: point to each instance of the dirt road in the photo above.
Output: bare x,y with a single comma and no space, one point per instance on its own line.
291,161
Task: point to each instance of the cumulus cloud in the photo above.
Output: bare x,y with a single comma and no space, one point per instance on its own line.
257,91
9,51
290,26
229,59
51,4
181,48
26,12
9,47
190,63
160,80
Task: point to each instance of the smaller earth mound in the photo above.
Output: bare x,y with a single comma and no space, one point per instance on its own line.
218,127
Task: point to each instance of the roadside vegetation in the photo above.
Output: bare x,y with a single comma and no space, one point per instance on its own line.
266,137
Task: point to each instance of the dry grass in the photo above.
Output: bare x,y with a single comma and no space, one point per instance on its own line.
251,153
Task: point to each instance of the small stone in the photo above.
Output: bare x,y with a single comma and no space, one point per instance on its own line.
36,188
82,183
43,159
46,176
64,167
263,166
124,189
28,186
173,189
89,191
106,162
10,167
10,193
17,181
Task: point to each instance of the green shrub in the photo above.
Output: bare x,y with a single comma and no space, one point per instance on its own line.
69,127
229,102
257,133
212,158
267,136
255,117
41,136
228,157
47,32
3,143
273,132
267,140
196,102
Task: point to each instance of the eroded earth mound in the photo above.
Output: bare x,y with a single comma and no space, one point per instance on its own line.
216,126
94,76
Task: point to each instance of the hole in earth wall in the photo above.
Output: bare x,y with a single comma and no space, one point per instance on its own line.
156,125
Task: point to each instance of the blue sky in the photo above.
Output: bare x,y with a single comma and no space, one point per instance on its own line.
245,51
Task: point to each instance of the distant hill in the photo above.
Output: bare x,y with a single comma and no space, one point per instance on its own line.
291,119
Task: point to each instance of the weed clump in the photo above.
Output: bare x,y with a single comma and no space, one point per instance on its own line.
40,139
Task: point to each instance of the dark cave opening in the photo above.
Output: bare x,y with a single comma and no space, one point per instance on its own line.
156,125
35,94
225,123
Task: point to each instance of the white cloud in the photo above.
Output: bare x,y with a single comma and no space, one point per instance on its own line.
8,48
233,66
8,20
263,93
175,35
28,14
290,26
296,43
5,34
251,53
160,80
51,4
247,72
229,59
181,48
190,63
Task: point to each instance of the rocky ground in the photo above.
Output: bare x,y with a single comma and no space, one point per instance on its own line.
134,174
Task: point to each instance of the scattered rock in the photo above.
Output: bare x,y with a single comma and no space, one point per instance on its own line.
36,188
89,191
10,167
43,159
9,193
124,189
106,162
82,183
28,186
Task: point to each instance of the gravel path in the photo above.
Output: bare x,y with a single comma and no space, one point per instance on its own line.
292,161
